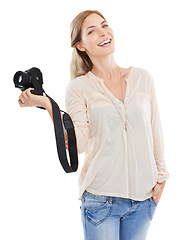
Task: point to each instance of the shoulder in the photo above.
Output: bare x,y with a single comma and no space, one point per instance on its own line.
142,78
78,80
77,83
142,72
143,75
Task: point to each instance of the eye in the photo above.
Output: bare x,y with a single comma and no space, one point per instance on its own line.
90,32
105,25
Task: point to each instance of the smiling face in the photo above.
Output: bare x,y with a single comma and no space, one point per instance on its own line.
97,38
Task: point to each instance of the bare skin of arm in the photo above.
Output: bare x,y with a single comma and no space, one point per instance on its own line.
27,99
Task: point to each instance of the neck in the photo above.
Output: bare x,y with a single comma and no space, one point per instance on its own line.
105,67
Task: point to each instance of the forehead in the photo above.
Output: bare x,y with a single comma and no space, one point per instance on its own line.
92,20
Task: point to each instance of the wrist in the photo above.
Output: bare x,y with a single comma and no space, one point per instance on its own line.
46,103
162,184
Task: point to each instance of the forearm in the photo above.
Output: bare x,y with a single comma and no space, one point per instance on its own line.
48,106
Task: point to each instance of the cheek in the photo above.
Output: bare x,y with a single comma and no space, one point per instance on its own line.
91,42
111,32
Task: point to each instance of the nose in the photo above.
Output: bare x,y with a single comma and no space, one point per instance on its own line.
103,32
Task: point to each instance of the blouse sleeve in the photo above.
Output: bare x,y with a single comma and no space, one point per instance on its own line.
76,107
157,137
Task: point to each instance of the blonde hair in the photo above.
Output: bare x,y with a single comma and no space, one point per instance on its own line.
80,62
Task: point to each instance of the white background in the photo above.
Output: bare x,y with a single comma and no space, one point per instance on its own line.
37,199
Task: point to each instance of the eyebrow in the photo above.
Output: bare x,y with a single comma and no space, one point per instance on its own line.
94,26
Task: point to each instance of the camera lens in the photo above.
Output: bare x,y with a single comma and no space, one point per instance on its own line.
22,80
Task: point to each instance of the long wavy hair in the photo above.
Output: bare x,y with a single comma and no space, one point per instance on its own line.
80,62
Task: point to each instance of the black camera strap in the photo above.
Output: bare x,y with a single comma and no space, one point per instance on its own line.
33,78
60,138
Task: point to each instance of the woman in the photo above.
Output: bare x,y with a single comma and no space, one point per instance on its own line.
117,125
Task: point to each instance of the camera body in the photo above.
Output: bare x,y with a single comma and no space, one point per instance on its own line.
31,78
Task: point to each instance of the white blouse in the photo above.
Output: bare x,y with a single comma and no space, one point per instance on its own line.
118,162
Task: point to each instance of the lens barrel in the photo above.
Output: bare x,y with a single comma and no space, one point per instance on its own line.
22,80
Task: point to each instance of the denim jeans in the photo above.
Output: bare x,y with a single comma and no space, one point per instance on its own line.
114,218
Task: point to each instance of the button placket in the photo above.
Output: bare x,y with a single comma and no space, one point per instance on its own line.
124,116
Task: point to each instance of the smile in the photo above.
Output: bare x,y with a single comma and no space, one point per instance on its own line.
105,43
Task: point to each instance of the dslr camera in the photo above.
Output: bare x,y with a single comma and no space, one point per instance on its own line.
31,78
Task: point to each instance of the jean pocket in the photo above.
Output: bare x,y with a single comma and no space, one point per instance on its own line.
97,211
152,208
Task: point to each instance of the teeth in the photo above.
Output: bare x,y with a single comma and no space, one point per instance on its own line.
107,41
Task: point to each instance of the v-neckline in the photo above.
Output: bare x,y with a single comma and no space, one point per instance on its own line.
109,92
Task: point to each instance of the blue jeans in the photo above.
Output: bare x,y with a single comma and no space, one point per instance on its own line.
114,218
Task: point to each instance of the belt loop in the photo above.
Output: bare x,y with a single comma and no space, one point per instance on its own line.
132,202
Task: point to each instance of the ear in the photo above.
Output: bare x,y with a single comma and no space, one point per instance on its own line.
79,47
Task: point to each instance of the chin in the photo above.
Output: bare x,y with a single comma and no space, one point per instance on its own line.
101,52
105,51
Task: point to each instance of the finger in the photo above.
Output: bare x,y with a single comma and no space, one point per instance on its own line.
21,99
155,193
21,103
25,96
156,197
29,91
156,201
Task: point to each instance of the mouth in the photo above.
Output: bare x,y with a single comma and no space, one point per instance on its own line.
105,43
